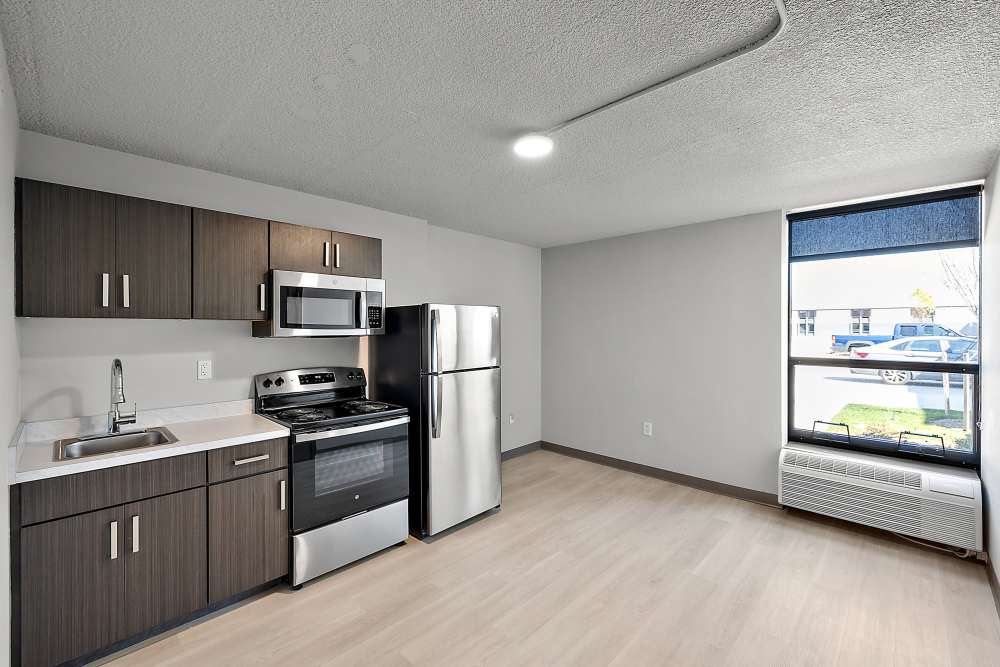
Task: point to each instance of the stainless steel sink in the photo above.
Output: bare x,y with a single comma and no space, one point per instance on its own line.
75,448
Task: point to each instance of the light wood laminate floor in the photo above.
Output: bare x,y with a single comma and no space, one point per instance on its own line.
589,565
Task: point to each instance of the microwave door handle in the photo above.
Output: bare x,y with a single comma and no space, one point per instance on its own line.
361,317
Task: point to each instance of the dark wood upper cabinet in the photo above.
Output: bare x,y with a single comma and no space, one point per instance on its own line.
298,248
355,255
72,587
165,566
66,251
372,251
153,259
247,533
230,266
84,253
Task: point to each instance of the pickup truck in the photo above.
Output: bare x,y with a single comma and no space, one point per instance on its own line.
847,343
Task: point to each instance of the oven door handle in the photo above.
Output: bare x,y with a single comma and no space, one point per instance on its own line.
350,430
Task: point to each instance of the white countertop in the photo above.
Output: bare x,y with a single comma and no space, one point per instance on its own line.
197,429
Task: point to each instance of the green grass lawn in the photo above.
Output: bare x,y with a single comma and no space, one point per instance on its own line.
882,422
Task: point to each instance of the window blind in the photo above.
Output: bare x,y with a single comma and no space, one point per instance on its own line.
949,218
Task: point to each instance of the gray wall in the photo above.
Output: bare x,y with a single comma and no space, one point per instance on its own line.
9,361
474,269
990,365
65,362
681,327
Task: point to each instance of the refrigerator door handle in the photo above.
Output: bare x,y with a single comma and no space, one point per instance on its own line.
435,406
435,345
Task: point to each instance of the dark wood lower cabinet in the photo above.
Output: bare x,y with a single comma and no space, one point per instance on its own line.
248,533
169,547
165,568
72,587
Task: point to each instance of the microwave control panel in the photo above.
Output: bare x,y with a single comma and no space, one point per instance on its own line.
374,317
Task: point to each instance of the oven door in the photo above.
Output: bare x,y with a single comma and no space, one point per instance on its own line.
313,304
346,471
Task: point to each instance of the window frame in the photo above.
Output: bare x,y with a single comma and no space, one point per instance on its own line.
868,444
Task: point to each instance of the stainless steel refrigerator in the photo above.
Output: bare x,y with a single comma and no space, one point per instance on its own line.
443,363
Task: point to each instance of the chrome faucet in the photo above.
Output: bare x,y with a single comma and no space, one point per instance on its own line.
115,417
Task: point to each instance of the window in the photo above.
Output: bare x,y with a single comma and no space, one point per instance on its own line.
807,322
901,375
861,321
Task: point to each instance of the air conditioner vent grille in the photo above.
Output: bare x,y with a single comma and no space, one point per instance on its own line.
836,466
912,515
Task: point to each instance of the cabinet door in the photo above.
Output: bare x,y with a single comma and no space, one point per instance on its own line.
165,567
373,257
355,255
66,246
298,248
248,533
72,586
230,266
348,255
153,259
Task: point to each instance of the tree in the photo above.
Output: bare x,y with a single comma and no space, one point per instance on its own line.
962,277
924,308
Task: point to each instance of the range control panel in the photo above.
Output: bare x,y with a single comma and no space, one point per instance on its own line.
308,379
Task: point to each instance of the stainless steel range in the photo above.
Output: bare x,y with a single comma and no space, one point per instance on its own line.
348,466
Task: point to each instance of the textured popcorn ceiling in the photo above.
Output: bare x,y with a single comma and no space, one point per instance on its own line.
412,106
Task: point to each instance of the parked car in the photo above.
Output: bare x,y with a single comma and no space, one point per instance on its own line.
846,343
917,348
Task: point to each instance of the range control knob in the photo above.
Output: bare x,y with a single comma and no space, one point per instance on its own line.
279,382
267,383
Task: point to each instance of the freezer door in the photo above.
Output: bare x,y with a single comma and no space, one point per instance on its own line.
461,337
463,446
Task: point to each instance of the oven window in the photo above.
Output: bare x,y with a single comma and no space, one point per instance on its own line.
341,469
313,308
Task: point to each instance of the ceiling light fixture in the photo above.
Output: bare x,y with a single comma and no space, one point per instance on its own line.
540,144
533,146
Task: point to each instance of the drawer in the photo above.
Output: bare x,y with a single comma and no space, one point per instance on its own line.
249,459
57,497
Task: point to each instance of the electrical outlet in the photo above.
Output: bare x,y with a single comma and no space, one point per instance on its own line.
204,369
510,419
647,428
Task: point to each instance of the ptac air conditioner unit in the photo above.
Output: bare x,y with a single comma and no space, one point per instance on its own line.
923,500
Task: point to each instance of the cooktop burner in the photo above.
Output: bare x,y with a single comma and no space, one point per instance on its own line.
312,399
334,412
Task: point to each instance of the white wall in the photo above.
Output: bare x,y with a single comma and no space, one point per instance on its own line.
9,373
65,362
681,327
989,364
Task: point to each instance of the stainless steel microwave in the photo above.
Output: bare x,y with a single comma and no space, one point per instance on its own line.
321,305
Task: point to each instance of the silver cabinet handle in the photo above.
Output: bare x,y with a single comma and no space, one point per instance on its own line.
263,297
283,489
105,290
252,459
135,534
326,253
336,255
114,540
125,295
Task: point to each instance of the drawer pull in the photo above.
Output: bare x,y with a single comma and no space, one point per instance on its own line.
251,459
114,540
